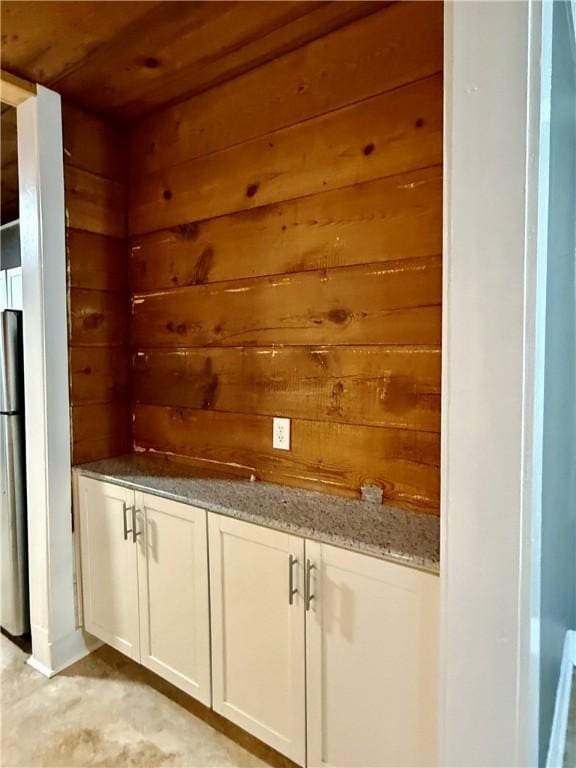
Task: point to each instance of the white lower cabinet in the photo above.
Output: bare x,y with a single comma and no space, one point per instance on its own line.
258,653
145,581
109,565
173,585
372,649
329,656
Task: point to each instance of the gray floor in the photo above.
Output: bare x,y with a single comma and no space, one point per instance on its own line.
101,712
570,753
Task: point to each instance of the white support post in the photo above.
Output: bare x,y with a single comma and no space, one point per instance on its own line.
56,641
492,379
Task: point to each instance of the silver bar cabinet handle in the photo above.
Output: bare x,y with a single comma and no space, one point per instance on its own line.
127,530
308,595
292,561
135,533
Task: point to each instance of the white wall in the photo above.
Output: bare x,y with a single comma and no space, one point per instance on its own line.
558,606
491,384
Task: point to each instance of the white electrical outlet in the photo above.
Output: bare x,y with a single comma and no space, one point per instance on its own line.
281,434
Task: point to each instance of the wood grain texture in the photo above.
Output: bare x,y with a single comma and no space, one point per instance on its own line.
123,59
99,375
375,386
286,237
396,46
393,133
393,303
97,262
98,318
43,40
94,145
98,299
183,48
329,457
95,204
383,220
99,431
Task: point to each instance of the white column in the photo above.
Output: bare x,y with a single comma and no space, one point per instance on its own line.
494,257
56,642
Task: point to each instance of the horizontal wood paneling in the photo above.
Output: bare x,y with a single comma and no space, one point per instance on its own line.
96,420
374,386
392,303
329,457
98,263
93,145
99,375
95,204
111,444
382,220
286,237
396,46
98,318
98,301
393,133
100,431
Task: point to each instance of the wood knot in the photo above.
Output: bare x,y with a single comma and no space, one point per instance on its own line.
251,189
338,316
167,194
93,321
180,328
368,149
419,122
187,231
151,63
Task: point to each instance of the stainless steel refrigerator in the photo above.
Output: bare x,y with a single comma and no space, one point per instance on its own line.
14,606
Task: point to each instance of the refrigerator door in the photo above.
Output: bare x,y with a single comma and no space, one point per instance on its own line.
11,383
14,604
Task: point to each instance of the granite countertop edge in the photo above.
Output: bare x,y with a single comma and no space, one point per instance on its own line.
412,539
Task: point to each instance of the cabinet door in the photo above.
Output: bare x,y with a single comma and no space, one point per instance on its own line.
173,582
14,288
258,669
372,650
109,565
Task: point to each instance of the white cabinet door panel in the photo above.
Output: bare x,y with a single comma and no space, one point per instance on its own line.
372,651
3,291
14,288
173,579
258,667
109,565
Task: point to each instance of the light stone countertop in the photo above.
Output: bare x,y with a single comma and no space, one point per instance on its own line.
410,538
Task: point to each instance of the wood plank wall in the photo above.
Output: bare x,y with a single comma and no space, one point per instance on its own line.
95,174
286,234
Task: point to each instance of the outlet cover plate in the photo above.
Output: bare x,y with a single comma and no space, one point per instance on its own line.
281,434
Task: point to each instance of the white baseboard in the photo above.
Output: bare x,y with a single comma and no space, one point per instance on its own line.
557,743
59,655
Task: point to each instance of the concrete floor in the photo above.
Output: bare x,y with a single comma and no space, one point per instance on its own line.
102,712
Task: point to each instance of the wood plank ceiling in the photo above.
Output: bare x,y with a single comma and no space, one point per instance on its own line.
124,59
